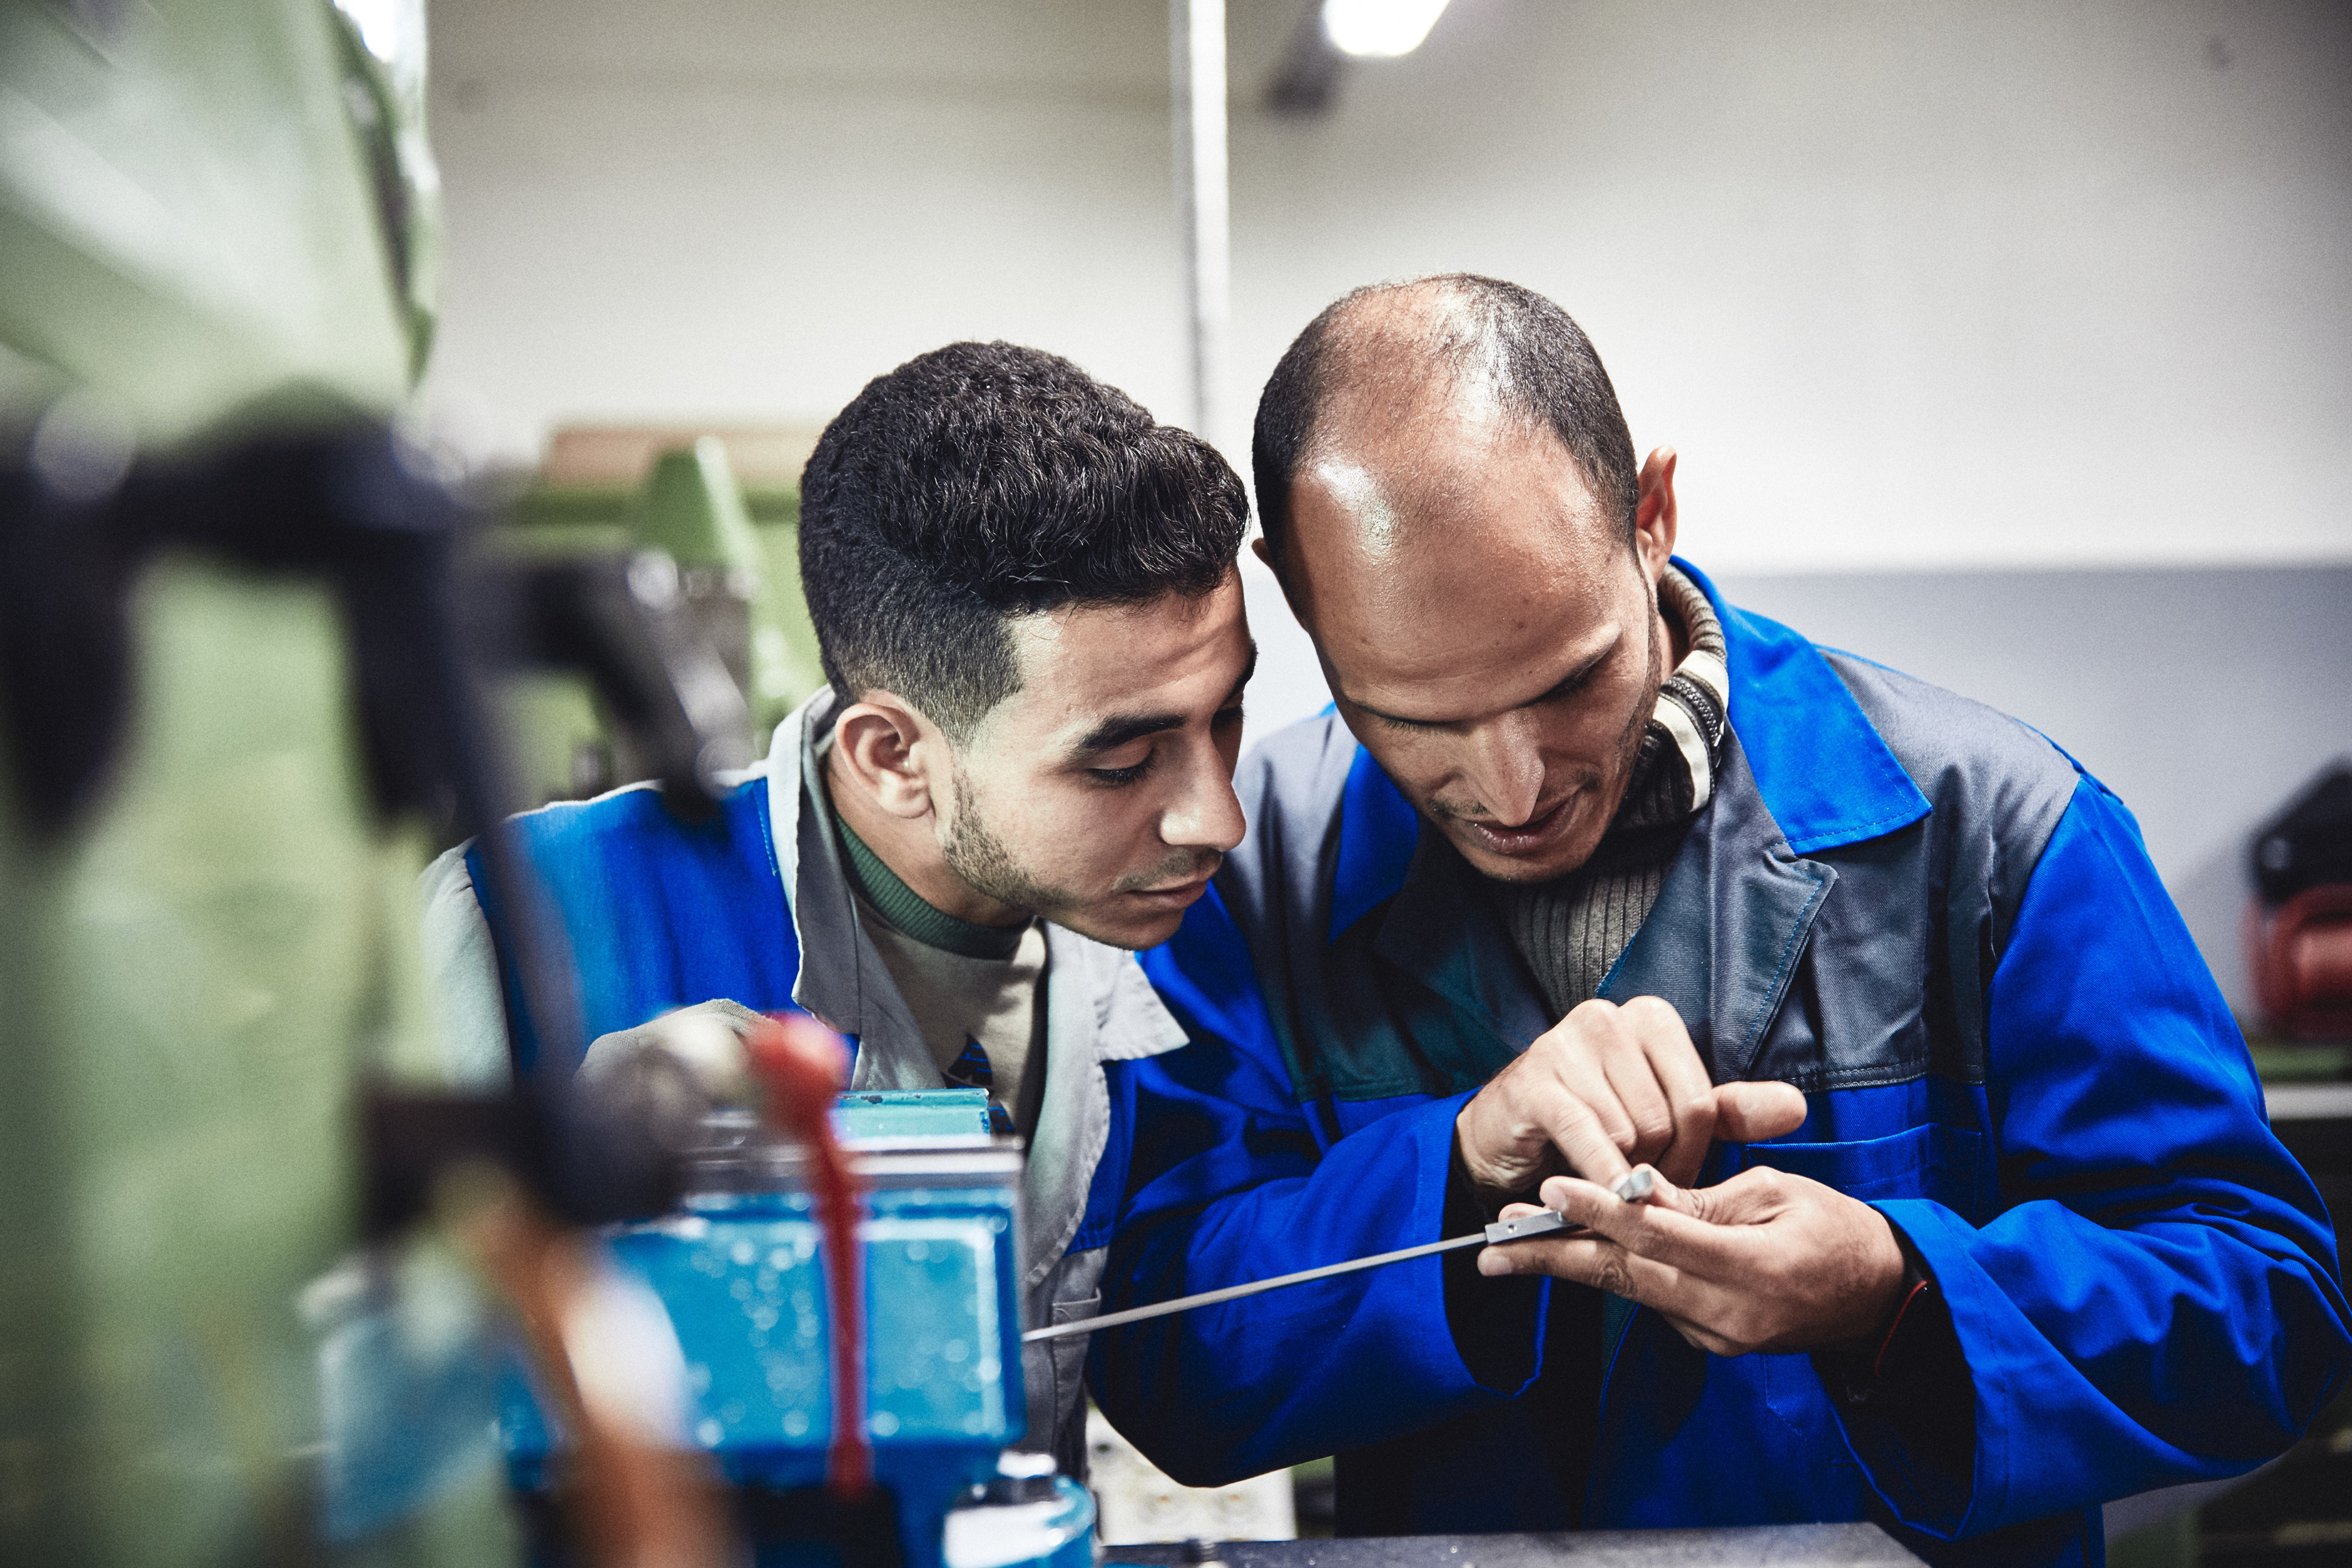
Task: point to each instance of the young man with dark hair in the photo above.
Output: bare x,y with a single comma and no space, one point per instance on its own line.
1026,596
1965,1216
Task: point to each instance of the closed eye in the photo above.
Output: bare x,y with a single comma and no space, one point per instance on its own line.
1114,778
1393,721
1571,685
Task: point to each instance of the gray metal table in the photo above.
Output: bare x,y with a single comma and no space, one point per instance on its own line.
1765,1546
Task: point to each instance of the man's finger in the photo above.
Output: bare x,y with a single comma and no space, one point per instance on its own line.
1688,1302
1755,1196
1690,1096
1752,1198
1686,1297
1648,1112
1578,1053
1663,1229
1587,1260
1750,1112
1578,1133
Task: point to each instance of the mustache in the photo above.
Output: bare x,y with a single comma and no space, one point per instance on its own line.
1184,866
1442,810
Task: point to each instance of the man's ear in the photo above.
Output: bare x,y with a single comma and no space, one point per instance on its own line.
1654,513
890,752
1274,564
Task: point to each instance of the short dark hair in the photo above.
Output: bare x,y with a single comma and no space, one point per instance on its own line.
986,481
1539,362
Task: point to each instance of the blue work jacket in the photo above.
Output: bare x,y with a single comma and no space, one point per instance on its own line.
1917,911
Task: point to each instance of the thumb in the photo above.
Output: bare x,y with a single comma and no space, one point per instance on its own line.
1747,1112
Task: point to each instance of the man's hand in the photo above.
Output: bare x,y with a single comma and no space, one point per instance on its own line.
1609,1087
1765,1261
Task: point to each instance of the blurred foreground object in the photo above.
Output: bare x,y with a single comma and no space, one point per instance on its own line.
875,1447
2299,924
238,655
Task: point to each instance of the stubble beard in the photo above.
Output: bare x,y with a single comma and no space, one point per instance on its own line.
988,865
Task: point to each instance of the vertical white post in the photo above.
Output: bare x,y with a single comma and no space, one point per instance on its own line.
1196,36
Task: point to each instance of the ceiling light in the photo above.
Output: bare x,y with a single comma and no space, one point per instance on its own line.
1384,28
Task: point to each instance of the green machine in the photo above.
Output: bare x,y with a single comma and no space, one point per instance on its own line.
217,219
221,641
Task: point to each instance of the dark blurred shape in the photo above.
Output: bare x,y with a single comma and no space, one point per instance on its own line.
78,526
721,503
79,522
629,624
2310,842
2299,925
1306,83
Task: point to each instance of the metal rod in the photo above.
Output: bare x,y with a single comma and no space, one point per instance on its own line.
1196,39
1545,1223
1231,1292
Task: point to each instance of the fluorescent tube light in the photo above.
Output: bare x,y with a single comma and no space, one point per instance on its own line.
1384,28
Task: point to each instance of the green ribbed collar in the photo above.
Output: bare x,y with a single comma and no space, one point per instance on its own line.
915,916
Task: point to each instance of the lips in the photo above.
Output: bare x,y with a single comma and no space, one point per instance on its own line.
1173,898
1184,891
1534,834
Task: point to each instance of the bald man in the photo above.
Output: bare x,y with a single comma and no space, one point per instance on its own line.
1965,1215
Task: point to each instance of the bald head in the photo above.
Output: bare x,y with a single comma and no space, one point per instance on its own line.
1450,355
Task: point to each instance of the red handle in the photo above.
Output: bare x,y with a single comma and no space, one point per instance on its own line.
801,1061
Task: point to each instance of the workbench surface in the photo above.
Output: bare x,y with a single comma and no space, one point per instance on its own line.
1766,1546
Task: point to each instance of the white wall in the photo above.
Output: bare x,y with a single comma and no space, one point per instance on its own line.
1909,285
744,210
1991,284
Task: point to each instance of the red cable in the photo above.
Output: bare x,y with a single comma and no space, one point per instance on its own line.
800,1061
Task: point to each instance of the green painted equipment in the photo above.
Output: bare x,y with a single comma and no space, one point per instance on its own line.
217,221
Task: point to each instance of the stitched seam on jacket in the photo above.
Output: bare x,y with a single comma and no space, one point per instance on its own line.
775,864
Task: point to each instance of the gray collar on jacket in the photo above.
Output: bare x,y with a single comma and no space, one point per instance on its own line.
1098,1005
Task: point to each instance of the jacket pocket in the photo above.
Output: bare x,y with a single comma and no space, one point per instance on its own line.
1931,1161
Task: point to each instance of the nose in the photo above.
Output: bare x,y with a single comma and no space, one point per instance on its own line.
1205,814
1504,767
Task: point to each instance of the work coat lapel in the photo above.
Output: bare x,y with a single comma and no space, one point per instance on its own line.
1098,1008
1723,939
842,979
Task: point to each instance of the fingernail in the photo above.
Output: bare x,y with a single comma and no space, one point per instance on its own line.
1490,1265
1634,1184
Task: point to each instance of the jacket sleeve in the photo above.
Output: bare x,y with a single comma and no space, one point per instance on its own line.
1230,1182
2160,1300
462,963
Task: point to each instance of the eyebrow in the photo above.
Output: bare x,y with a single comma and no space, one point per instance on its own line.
1119,728
1560,688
